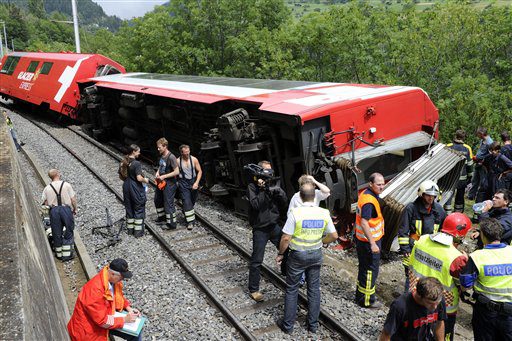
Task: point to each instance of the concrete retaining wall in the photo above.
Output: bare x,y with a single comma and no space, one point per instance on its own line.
32,303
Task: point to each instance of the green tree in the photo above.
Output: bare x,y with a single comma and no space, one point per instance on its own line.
36,8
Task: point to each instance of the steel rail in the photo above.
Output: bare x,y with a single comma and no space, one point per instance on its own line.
246,334
327,319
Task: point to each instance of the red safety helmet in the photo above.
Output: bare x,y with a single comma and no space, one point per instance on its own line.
456,224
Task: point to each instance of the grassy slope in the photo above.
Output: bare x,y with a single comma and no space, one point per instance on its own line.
303,7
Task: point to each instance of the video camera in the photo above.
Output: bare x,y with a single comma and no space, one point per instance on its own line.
257,172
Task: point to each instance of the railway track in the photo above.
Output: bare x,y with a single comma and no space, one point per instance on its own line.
217,265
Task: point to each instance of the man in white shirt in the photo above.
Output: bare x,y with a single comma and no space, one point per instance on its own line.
61,198
322,192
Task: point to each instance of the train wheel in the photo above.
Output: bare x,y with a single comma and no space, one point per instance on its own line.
154,112
87,128
126,113
131,132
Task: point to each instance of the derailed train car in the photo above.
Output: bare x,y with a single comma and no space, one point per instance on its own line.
340,133
49,80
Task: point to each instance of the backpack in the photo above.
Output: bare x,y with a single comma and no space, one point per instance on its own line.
123,168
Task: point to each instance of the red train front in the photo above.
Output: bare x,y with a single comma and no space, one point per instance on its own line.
49,80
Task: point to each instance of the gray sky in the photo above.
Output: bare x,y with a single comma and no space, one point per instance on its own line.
127,9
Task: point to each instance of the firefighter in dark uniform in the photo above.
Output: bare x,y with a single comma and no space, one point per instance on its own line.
506,149
134,192
369,230
418,315
465,175
422,216
61,199
489,272
188,183
479,181
165,178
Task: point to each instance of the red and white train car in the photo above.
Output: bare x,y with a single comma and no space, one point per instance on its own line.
300,126
50,80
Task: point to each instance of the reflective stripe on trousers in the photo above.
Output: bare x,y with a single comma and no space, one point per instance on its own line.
190,216
130,224
170,218
137,224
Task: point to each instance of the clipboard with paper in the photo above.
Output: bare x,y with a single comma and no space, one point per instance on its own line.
131,328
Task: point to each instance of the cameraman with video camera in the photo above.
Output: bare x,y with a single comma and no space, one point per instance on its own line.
266,201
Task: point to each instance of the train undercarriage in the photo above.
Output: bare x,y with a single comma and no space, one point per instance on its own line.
225,136
229,134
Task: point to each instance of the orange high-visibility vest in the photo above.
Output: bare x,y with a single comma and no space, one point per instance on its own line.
376,224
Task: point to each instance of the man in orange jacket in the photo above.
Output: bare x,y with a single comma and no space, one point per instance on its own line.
369,229
97,303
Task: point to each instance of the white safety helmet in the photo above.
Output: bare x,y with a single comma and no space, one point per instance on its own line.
428,187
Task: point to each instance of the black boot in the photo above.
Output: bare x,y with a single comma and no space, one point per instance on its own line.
169,226
159,220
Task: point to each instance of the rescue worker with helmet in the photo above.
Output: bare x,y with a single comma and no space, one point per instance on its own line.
422,216
436,255
466,173
307,227
489,272
369,229
165,178
14,136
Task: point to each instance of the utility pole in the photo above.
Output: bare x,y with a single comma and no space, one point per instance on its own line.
1,47
75,25
5,37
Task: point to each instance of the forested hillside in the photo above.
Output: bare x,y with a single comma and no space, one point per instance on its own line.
90,14
460,54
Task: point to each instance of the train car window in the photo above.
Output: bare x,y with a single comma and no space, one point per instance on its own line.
105,70
10,65
45,69
388,165
32,66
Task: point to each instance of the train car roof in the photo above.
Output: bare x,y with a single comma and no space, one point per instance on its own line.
52,55
281,96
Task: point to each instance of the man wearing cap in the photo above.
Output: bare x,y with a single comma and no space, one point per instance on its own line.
265,205
99,299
